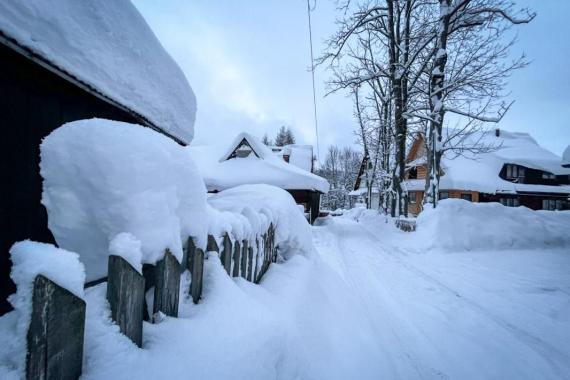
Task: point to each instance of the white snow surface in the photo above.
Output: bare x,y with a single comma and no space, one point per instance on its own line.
247,211
566,155
299,155
370,303
102,178
220,173
30,259
480,171
109,46
457,225
128,247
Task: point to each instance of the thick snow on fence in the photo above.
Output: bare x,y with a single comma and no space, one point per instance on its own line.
102,178
248,210
457,225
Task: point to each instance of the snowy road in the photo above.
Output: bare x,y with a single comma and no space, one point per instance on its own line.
484,315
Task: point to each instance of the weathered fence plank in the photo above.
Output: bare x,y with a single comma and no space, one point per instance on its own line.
249,263
197,275
190,250
212,245
236,258
125,293
227,254
167,287
244,251
56,332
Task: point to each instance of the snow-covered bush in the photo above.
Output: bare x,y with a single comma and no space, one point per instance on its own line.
247,211
103,177
29,260
461,225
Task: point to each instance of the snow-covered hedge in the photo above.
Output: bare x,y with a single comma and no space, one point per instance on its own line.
461,225
103,178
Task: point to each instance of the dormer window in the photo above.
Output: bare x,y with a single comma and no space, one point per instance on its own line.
515,172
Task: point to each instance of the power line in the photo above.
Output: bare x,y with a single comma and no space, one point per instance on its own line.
313,76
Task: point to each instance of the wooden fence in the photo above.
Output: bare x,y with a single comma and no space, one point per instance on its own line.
405,225
56,331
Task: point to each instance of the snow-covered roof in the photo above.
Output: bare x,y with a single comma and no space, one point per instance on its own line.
221,172
479,171
566,156
299,155
108,46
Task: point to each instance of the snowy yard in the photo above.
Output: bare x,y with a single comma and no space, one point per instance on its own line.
368,304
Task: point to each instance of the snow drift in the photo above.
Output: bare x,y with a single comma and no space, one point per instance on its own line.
103,178
461,225
93,42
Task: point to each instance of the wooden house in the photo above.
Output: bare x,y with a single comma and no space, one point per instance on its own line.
248,161
66,61
512,169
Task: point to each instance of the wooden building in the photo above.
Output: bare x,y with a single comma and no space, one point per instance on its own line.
248,161
45,82
511,169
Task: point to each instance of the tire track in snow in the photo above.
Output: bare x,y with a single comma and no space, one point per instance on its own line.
546,351
356,264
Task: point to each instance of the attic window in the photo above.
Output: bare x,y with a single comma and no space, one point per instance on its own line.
243,150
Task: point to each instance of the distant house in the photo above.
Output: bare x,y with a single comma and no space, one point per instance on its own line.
513,170
68,60
248,161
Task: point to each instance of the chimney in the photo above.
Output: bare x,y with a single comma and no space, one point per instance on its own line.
498,132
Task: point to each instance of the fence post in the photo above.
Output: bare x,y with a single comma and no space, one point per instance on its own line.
197,275
212,245
167,288
55,335
256,261
244,251
227,254
249,263
190,250
125,293
236,259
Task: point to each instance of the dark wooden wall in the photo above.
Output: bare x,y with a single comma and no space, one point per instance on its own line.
33,102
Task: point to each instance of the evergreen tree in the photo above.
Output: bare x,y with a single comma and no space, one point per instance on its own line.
284,136
266,140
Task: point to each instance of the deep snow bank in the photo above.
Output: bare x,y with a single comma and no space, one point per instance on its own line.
103,178
248,210
461,225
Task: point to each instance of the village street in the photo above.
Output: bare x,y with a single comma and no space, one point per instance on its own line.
453,315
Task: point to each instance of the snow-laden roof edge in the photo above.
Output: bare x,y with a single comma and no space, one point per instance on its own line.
122,61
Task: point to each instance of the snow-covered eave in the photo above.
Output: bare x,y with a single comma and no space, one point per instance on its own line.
217,189
55,69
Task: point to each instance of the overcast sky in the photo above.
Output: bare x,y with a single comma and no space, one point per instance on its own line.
248,65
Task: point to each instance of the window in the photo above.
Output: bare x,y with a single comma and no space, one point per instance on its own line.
510,202
546,175
413,197
551,204
515,171
443,194
467,196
